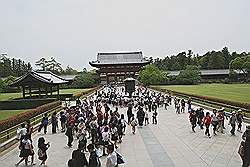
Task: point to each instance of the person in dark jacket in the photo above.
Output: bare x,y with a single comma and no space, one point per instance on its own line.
42,148
54,122
129,113
93,158
246,149
69,134
44,123
78,159
140,116
193,120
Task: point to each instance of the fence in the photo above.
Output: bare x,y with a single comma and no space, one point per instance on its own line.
11,132
209,104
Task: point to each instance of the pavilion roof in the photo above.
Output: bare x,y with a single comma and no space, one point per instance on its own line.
114,58
45,77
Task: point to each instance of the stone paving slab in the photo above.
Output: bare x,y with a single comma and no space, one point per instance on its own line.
169,143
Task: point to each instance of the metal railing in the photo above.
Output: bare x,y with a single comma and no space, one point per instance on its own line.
210,104
11,132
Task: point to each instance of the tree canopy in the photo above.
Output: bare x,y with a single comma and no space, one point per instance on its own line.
191,75
210,60
13,67
85,80
242,64
151,75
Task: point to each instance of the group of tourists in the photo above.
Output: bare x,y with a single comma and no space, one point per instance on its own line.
98,125
24,135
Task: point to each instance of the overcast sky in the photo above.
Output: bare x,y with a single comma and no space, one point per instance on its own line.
73,31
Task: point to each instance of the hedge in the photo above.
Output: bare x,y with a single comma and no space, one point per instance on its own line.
212,99
24,103
86,93
22,117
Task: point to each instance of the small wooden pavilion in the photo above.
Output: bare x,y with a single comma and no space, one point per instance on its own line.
117,66
42,82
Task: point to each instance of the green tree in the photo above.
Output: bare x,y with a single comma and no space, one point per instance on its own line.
191,75
216,61
151,75
69,71
53,65
84,80
42,63
242,64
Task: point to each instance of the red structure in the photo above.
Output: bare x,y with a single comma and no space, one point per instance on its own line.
117,66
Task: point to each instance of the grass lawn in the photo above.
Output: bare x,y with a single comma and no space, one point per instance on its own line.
9,96
4,114
73,91
233,92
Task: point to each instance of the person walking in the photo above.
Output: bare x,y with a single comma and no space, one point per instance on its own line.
240,118
69,134
244,149
193,120
220,117
215,122
63,120
26,151
232,122
54,122
140,116
29,128
207,121
112,157
133,123
146,117
93,158
42,150
78,159
182,105
21,132
44,123
154,117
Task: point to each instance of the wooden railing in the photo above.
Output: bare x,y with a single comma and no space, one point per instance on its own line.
11,132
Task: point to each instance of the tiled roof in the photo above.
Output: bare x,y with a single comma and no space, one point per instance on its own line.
119,58
45,77
206,72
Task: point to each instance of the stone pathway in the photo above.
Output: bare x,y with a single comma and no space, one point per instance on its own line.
170,143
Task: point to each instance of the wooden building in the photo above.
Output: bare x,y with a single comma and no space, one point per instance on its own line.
117,66
39,83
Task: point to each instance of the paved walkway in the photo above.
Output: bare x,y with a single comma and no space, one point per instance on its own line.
170,143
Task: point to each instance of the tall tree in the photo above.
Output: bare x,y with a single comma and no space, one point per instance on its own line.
42,63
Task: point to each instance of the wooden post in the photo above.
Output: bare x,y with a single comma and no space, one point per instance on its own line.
115,77
30,91
39,89
107,78
46,91
51,91
58,91
23,87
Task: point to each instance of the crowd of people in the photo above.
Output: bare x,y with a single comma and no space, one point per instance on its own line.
98,125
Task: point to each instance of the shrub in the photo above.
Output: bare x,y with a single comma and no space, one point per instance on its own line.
22,117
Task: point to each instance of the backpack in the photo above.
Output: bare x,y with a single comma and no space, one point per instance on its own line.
40,153
120,159
45,121
241,149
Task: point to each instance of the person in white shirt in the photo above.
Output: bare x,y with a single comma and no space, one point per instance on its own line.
21,132
112,157
105,139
